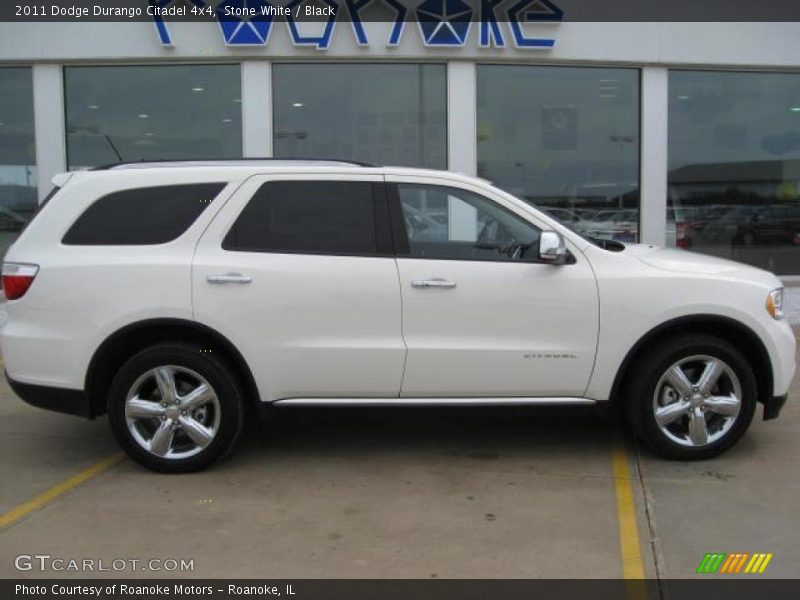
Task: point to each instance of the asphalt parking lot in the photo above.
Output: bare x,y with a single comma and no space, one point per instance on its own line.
414,494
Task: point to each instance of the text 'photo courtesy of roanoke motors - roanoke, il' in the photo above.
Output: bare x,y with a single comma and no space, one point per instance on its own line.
387,299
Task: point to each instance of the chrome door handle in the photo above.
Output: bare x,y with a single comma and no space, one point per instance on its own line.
436,282
229,278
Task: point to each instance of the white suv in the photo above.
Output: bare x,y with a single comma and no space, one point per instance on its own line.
176,296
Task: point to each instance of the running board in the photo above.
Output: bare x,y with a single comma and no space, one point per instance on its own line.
347,402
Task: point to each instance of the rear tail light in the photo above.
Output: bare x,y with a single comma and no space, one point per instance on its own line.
17,278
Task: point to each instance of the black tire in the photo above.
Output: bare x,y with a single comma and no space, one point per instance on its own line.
200,361
645,374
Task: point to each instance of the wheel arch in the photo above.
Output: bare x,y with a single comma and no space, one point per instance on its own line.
134,337
738,334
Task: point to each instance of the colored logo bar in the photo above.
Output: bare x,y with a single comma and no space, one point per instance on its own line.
734,563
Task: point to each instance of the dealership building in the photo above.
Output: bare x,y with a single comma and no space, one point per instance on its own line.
683,134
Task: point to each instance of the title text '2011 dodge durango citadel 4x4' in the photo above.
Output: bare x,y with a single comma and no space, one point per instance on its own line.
174,295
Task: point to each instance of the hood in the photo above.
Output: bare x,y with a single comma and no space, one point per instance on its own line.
682,261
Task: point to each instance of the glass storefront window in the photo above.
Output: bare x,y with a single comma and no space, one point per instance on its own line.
18,191
386,114
565,139
734,166
159,112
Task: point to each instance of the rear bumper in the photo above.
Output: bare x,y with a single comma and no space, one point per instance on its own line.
71,402
773,406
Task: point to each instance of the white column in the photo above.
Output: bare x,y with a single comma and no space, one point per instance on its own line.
256,108
462,156
462,109
49,127
655,107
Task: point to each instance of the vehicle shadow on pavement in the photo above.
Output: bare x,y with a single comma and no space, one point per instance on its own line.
471,433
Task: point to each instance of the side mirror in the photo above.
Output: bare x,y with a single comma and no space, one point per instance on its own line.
552,248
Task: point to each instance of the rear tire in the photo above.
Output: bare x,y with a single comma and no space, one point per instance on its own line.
690,397
176,408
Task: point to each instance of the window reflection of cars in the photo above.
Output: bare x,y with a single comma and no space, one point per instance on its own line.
753,225
11,220
587,214
686,225
728,228
681,224
566,217
603,193
769,225
619,225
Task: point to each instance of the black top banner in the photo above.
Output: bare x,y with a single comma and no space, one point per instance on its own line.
447,11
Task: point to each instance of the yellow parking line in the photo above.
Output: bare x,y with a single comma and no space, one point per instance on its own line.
632,564
46,497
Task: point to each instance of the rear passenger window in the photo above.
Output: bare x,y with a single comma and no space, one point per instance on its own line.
142,216
319,217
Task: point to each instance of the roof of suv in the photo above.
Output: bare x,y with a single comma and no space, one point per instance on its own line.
238,162
255,166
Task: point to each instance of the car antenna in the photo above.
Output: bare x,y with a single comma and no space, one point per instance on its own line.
114,148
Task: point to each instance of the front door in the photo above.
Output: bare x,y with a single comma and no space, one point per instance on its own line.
481,316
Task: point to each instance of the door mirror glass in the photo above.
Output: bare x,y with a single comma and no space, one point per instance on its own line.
552,248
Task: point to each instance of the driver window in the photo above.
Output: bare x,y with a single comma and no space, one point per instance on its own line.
450,223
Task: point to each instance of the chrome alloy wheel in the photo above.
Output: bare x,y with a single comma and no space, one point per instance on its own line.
697,401
172,412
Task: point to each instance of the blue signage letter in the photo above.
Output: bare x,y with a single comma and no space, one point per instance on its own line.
241,31
544,11
158,21
322,42
444,22
399,22
354,8
490,33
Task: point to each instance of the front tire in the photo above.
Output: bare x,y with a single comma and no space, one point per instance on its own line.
175,408
690,397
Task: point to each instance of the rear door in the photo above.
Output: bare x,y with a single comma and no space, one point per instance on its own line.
298,272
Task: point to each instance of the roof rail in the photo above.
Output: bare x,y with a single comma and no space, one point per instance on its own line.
144,162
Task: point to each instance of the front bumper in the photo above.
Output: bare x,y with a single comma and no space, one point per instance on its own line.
71,402
773,406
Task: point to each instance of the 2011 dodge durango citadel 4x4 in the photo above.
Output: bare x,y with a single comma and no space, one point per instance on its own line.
173,296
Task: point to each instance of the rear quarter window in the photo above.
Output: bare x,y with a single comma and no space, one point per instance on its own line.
142,216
